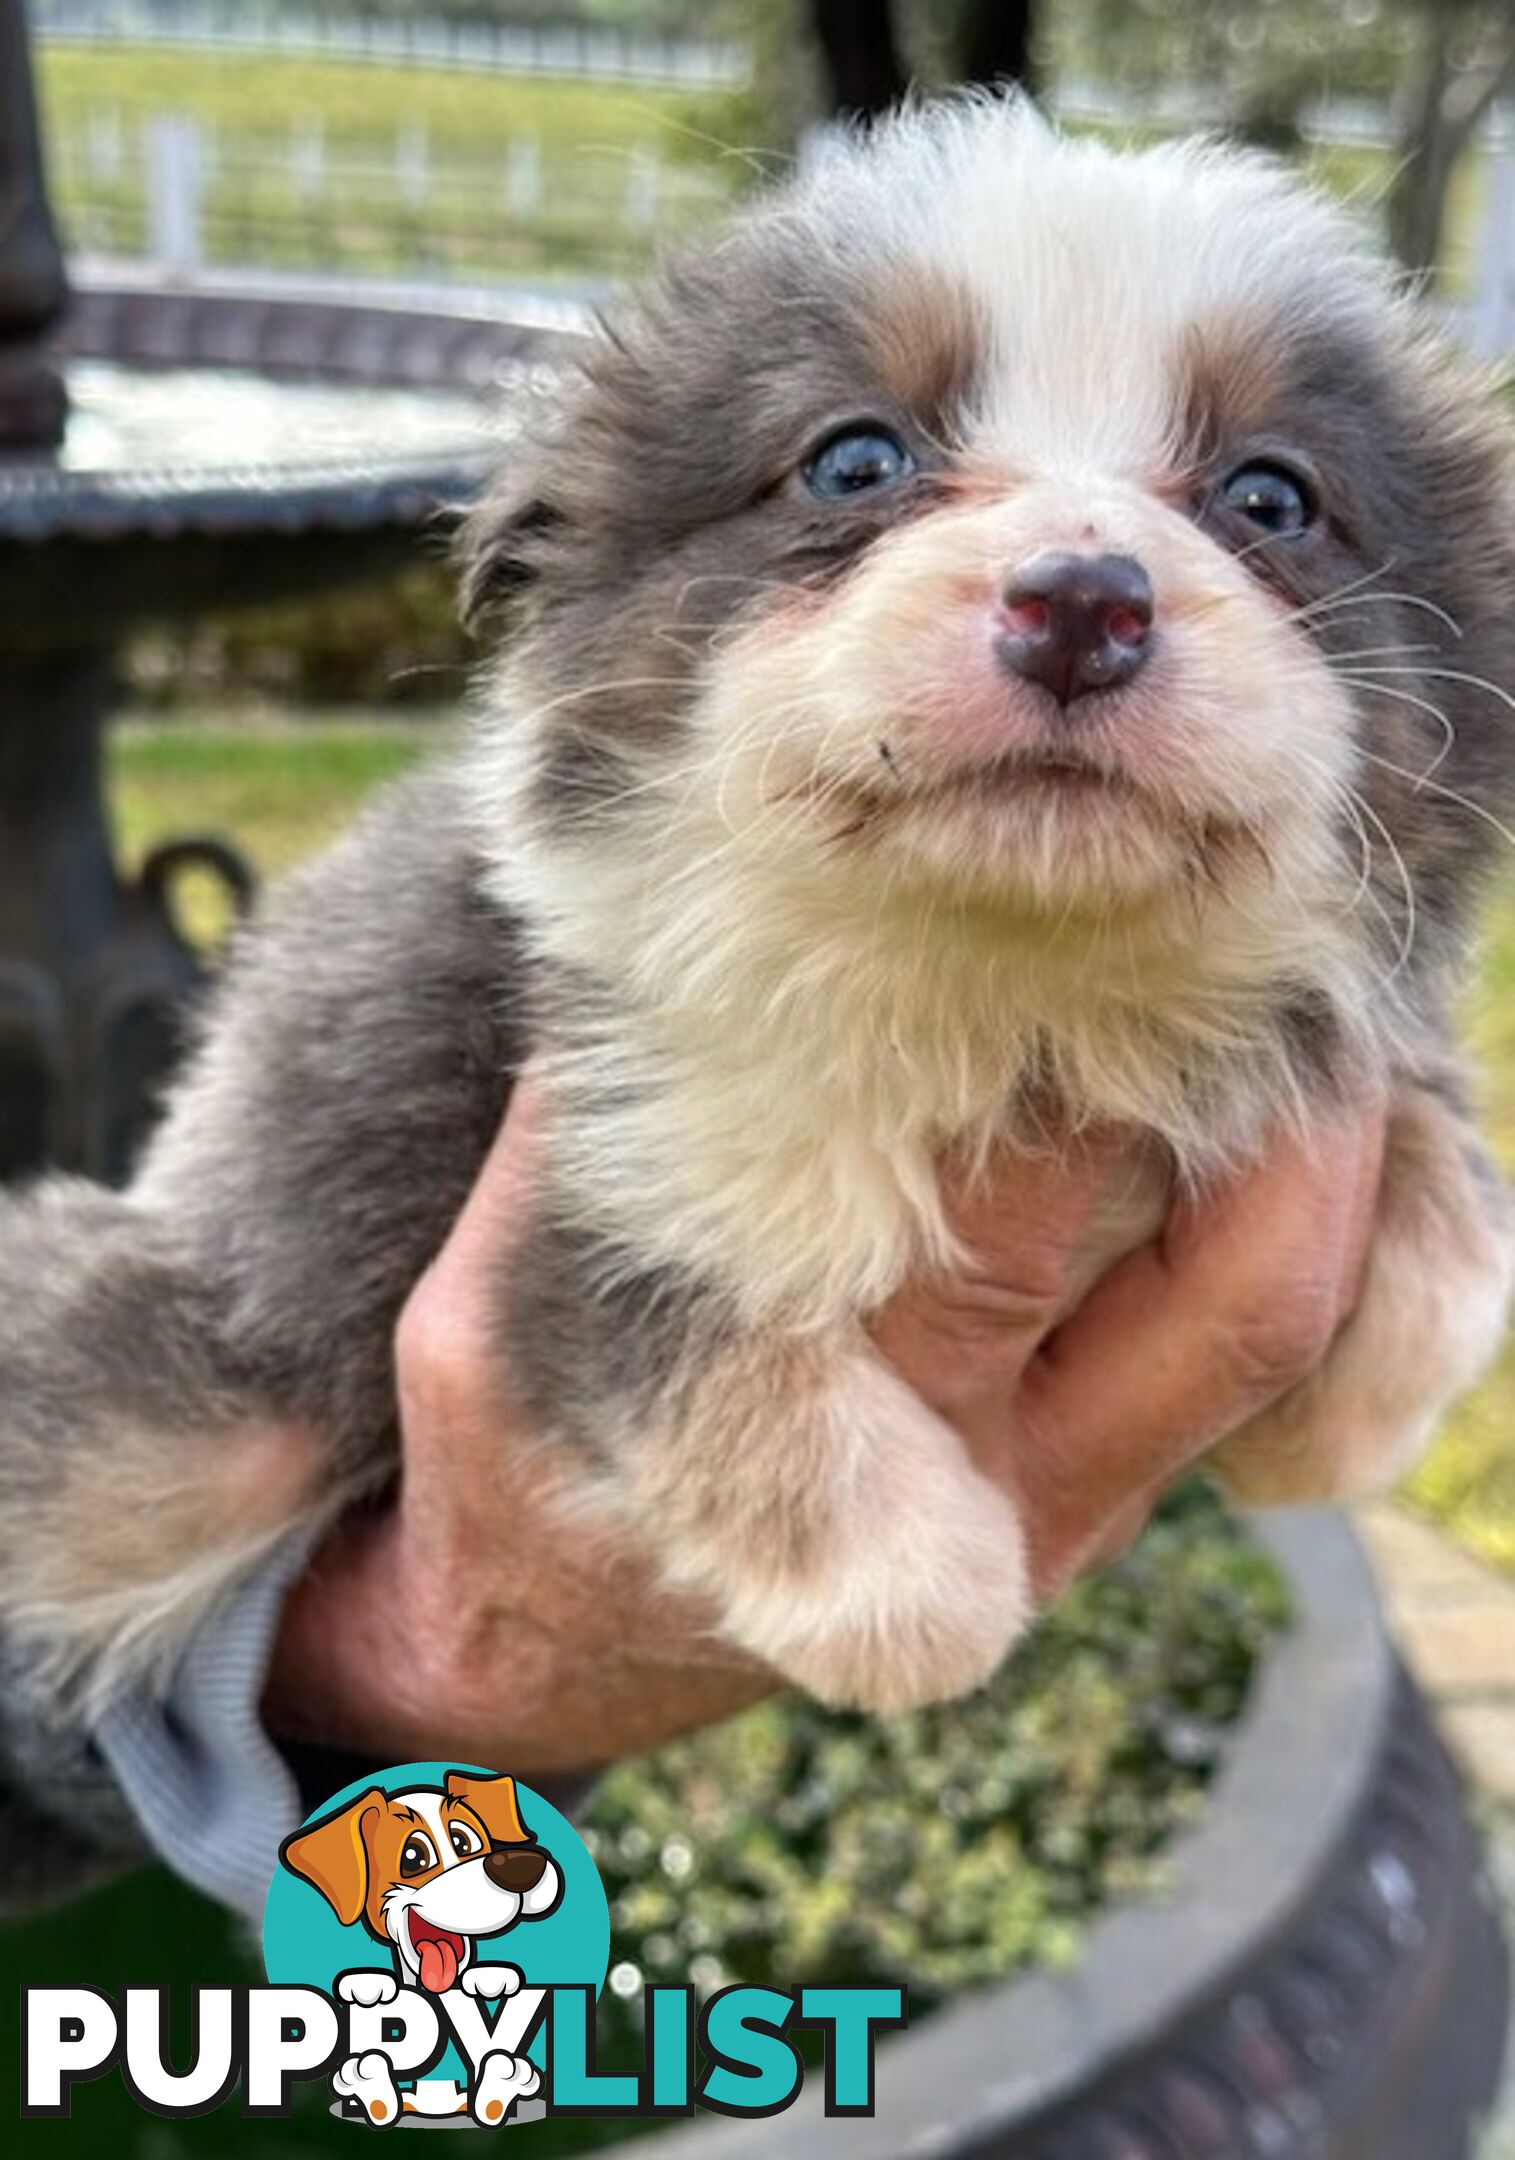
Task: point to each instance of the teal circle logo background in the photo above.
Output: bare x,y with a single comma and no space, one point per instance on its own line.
306,1945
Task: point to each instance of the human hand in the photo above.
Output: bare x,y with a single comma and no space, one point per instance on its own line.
1088,1420
476,1616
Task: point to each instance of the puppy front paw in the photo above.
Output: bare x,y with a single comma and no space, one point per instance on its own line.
915,1588
366,1987
887,1646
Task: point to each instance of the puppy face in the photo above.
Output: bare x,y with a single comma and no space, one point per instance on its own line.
1087,538
429,1871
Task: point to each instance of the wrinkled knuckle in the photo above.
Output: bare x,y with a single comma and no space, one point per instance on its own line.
1282,1340
437,1351
1030,1293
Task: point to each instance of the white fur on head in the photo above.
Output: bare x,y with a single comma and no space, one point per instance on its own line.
1088,265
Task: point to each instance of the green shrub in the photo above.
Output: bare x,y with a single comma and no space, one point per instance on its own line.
950,1846
384,645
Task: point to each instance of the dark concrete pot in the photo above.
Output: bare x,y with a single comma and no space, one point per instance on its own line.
1324,1978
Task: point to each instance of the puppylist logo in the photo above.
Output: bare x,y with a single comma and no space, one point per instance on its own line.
435,1942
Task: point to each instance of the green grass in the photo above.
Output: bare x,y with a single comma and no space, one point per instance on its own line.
278,790
281,790
363,220
271,95
258,105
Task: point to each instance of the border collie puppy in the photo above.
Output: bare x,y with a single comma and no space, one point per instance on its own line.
1009,623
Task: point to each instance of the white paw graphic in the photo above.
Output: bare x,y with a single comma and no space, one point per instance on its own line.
367,1988
503,2080
490,1980
369,2080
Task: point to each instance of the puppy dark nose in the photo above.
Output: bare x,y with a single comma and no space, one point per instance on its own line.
515,1867
1075,623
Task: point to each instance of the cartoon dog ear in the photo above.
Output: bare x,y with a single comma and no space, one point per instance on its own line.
493,1800
334,1855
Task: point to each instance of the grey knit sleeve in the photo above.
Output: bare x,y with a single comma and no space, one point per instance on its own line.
213,1795
188,1774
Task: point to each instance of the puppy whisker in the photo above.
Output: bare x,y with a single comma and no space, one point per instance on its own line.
1408,697
1452,795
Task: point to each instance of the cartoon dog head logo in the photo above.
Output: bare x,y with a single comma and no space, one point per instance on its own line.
430,1871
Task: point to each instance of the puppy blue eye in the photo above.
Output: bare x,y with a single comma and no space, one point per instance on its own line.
856,461
1271,498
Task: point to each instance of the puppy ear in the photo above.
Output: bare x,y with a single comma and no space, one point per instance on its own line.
502,547
334,1855
493,1800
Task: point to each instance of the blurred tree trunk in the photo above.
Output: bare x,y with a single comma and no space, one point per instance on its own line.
988,41
862,61
997,41
1467,60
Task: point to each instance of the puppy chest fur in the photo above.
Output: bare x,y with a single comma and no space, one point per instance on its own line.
1011,629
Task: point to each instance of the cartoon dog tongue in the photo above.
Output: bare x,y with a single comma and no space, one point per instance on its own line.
439,1959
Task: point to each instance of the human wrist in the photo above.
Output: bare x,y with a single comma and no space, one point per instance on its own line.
381,1654
333,1676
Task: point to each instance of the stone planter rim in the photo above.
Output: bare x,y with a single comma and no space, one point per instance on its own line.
1294,1778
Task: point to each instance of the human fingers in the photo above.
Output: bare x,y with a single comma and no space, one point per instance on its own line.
1188,1338
962,1336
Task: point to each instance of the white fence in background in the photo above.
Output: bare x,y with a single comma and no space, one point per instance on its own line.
176,173
310,197
1489,318
1187,109
184,196
588,51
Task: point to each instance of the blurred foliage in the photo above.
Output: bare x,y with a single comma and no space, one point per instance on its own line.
1467,1482
952,1846
1464,61
1246,54
394,644
1255,68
